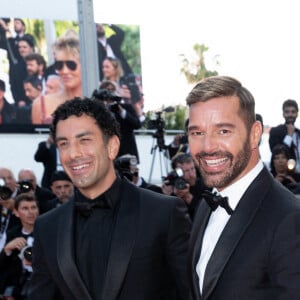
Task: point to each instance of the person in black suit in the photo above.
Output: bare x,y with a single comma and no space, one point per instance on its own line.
43,195
111,47
126,116
62,187
245,241
287,133
15,267
127,166
46,153
112,240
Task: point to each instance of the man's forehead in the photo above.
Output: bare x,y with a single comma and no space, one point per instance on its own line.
26,203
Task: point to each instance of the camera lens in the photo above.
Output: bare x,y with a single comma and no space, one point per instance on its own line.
28,253
5,192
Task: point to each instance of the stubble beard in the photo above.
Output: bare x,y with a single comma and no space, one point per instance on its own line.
223,179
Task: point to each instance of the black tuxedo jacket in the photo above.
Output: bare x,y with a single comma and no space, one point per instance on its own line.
277,135
11,266
258,253
48,157
147,256
131,122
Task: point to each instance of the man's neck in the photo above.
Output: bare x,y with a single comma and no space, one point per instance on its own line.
27,229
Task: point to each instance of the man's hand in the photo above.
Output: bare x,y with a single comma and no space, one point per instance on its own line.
290,129
18,243
184,194
167,189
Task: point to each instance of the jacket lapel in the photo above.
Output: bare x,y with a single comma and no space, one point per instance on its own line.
199,225
123,240
65,256
234,230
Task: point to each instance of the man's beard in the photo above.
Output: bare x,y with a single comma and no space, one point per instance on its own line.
225,178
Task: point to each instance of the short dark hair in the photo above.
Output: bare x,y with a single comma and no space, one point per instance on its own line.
59,175
25,197
86,106
21,20
289,103
37,57
34,81
224,86
181,158
28,39
278,149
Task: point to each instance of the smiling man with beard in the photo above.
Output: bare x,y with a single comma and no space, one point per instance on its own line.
245,242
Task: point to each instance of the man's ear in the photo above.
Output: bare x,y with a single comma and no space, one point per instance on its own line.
113,147
256,133
15,212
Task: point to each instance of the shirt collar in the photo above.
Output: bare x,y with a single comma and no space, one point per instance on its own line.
235,191
111,194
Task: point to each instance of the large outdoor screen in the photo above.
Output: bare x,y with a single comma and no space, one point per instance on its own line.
40,68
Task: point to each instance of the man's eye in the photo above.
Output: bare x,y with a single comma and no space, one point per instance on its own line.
196,133
61,144
224,131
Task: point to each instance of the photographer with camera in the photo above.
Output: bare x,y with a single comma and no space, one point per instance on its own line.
180,142
15,258
126,117
125,85
127,166
27,180
184,183
8,192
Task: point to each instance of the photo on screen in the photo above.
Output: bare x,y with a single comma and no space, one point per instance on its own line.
40,68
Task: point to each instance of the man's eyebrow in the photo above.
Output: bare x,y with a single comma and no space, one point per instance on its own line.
218,125
79,135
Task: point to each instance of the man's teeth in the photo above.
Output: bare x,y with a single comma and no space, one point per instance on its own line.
80,167
214,162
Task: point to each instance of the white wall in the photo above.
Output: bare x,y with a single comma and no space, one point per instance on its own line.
17,152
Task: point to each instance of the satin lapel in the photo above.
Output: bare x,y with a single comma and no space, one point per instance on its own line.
234,230
195,244
122,241
65,256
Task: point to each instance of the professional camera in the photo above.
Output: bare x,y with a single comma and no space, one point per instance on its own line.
26,253
25,186
123,164
175,179
158,123
129,81
5,192
106,95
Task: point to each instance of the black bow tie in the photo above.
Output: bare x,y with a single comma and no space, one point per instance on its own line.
214,200
85,207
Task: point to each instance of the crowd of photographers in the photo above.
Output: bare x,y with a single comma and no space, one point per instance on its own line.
21,202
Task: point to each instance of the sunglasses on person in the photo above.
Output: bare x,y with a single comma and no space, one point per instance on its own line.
71,64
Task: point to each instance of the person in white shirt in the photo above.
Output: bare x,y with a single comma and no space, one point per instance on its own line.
245,242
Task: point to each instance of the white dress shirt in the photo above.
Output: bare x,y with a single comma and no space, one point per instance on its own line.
219,218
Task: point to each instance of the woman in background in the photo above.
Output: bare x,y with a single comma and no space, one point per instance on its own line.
282,169
68,67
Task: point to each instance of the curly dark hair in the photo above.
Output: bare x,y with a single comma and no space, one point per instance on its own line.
85,106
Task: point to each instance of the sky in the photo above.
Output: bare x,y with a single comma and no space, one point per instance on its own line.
256,42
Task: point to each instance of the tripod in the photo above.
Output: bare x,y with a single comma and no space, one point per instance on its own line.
158,145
